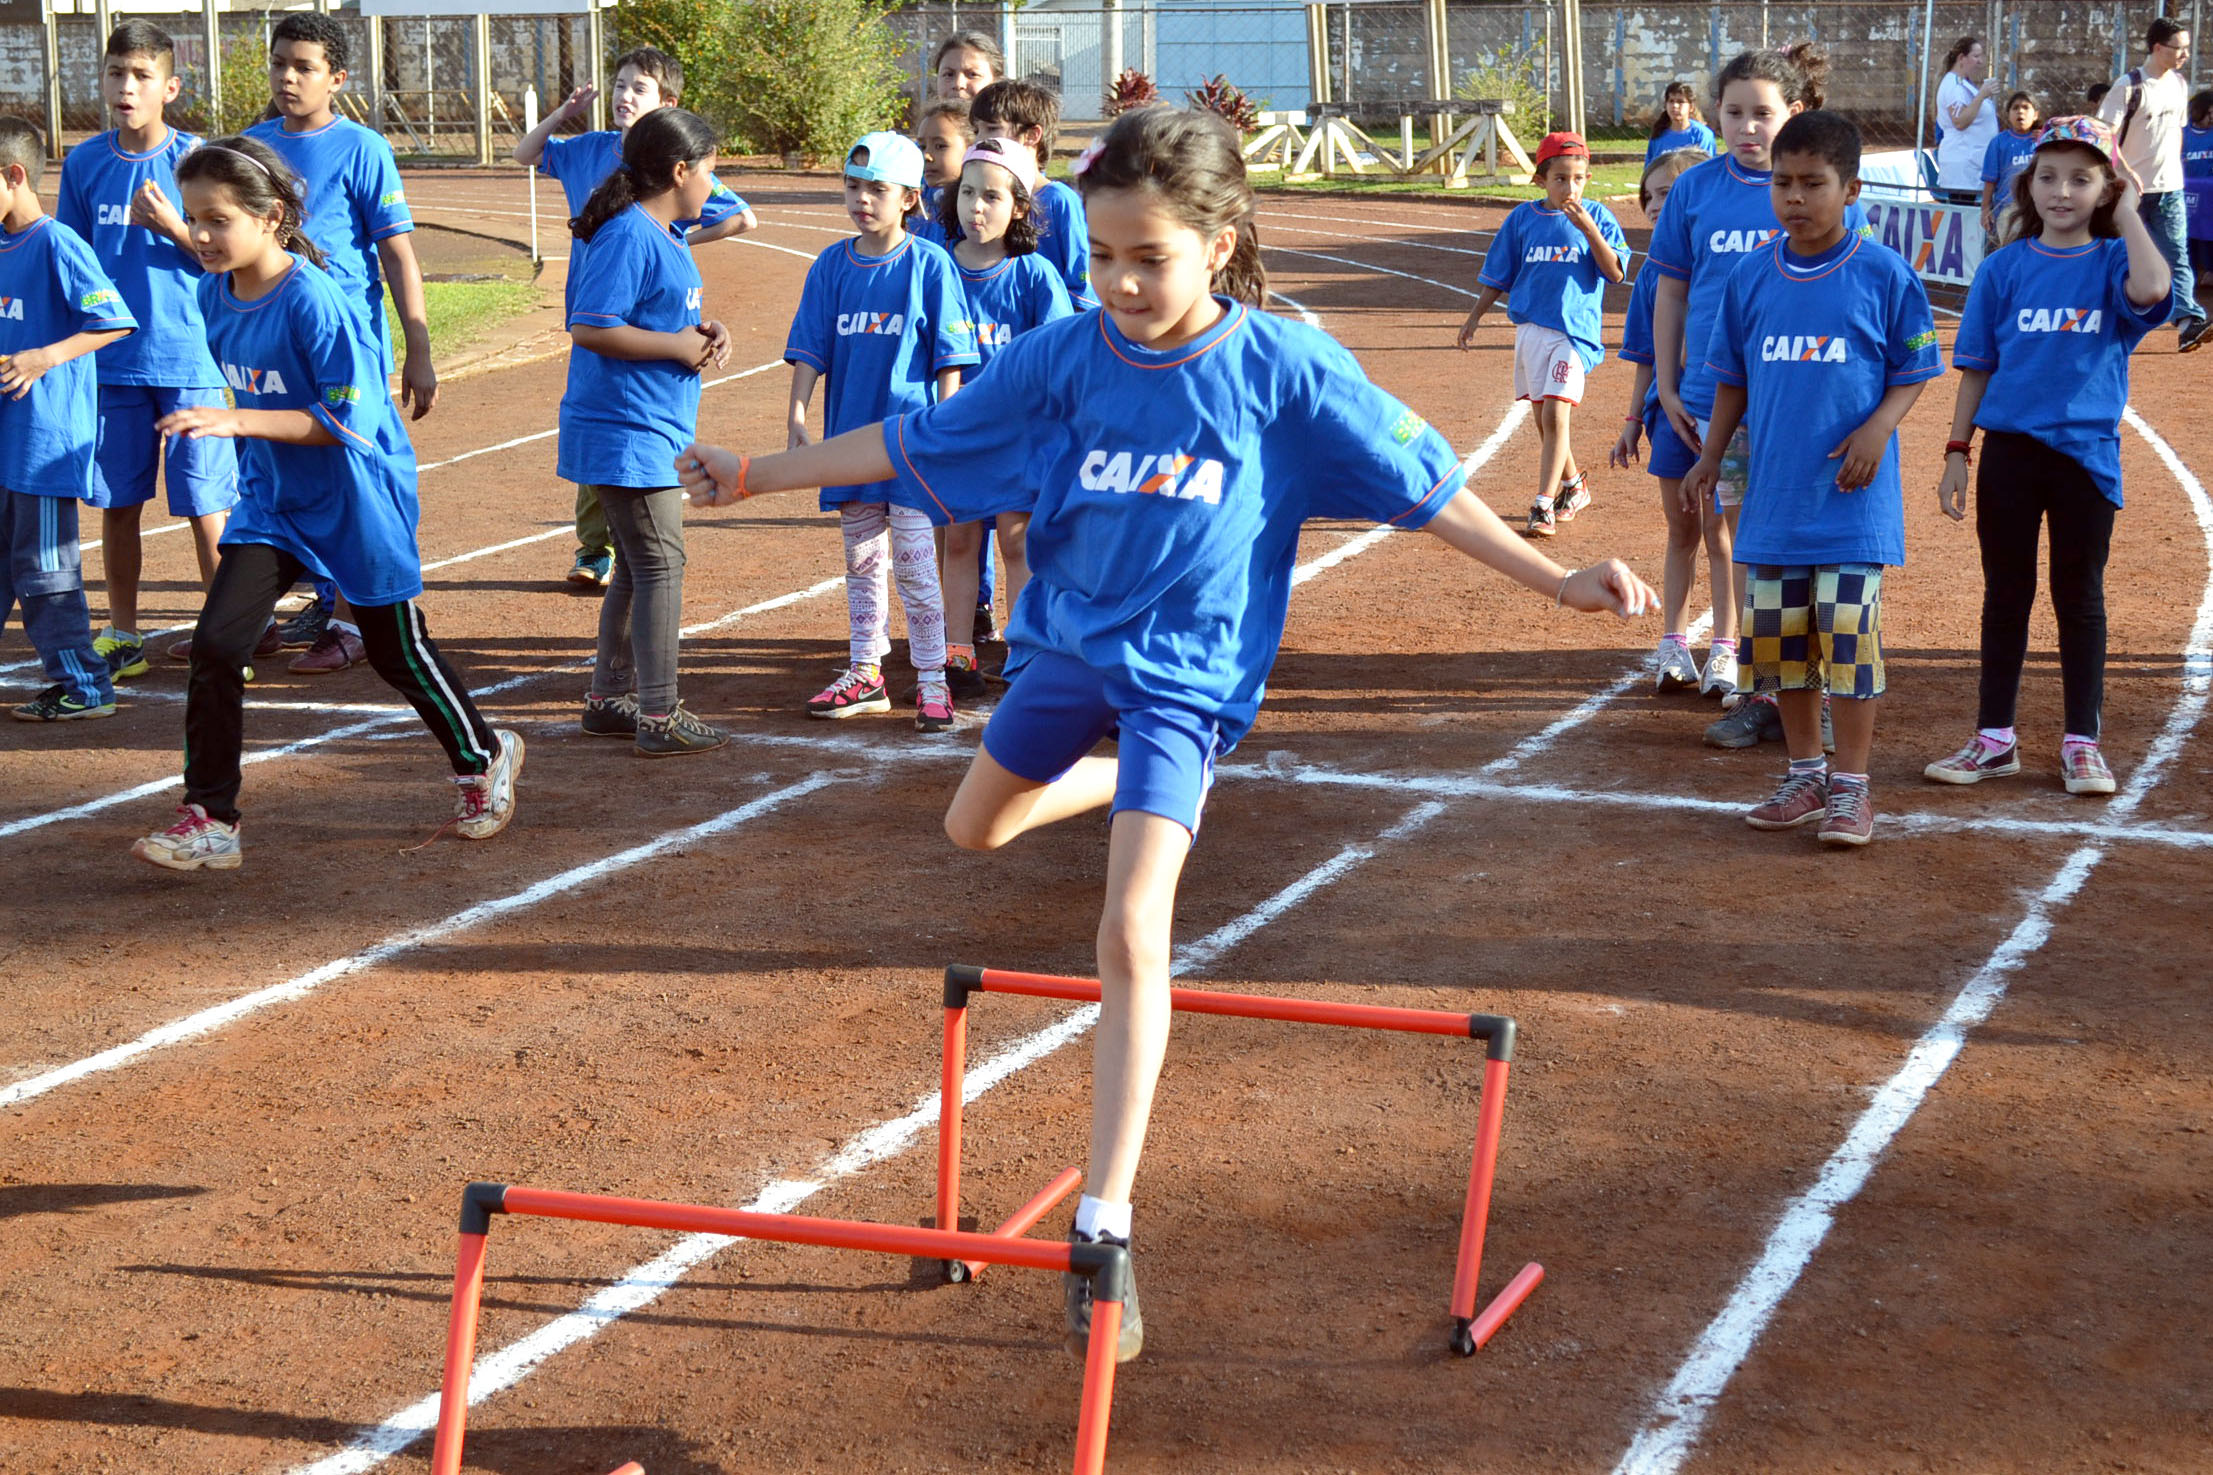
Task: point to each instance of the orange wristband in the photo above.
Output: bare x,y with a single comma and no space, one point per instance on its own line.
745,467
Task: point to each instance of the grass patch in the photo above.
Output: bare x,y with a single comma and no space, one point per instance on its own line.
460,313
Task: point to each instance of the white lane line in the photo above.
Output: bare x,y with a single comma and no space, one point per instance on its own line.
207,1021
1306,314
1671,1429
1473,462
167,527
539,435
1338,235
641,1285
372,725
749,240
1366,266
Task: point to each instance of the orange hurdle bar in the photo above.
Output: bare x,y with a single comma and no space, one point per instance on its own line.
1470,1330
1107,1265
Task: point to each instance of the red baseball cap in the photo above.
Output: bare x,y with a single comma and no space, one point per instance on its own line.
1561,146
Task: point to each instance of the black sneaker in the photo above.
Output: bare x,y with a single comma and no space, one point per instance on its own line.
986,630
1076,1290
678,732
966,682
2190,337
303,629
1753,722
58,704
611,716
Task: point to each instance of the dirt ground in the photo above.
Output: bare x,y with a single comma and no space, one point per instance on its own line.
234,1252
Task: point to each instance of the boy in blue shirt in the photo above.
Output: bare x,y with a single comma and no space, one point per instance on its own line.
357,213
56,307
119,192
2002,162
2197,181
645,79
1821,345
1553,258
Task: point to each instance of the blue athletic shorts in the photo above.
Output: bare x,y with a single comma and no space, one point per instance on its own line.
203,474
1667,457
1058,708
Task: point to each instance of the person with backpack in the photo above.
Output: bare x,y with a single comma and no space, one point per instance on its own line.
2148,107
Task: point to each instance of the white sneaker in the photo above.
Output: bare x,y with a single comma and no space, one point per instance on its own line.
487,800
1674,668
1720,679
195,842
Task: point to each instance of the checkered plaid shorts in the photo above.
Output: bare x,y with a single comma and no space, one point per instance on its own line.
1816,628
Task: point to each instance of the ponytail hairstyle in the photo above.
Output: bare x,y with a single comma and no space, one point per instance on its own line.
1191,162
1675,90
1800,72
2027,224
1022,227
1959,49
651,150
259,181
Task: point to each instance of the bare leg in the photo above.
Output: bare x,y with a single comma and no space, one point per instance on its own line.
1552,459
1014,547
1722,572
1144,861
207,538
993,805
962,540
1801,710
1679,575
1854,721
123,557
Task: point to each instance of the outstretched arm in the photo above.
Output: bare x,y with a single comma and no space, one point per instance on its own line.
715,477
1472,527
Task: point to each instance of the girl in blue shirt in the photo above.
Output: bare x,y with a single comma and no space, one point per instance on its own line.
2197,181
1010,289
1719,214
1679,125
2003,161
2043,353
1170,447
327,488
632,403
882,318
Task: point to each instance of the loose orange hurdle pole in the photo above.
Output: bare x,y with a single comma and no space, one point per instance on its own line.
1108,1267
1470,1329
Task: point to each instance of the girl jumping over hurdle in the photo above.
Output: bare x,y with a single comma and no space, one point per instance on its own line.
1182,437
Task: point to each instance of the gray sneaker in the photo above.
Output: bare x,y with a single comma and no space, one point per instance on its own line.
611,716
1076,1290
678,732
1753,722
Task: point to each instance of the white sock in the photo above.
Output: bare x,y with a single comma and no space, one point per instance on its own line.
348,627
1095,1217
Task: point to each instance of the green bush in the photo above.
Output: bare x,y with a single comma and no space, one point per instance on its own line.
800,77
1518,80
245,95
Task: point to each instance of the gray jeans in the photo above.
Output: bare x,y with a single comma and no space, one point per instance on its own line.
643,608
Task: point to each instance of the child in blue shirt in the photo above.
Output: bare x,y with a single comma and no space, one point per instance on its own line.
357,215
2197,182
327,489
944,135
2002,162
1028,114
1010,289
1821,344
1720,213
1553,258
56,307
883,318
1171,446
1679,125
646,78
2043,354
1674,668
632,403
119,192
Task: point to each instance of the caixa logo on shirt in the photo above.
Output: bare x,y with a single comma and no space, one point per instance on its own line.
1802,348
11,308
851,324
254,381
1736,242
1187,477
114,215
692,298
1544,254
2060,320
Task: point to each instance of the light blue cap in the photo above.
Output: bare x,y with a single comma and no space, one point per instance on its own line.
892,158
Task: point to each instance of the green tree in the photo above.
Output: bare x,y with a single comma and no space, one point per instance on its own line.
811,76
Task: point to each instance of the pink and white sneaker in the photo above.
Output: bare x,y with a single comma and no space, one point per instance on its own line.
858,689
194,843
933,707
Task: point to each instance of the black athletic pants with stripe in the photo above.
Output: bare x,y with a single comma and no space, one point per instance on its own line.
249,581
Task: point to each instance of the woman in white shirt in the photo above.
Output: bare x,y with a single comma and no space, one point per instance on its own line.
1966,121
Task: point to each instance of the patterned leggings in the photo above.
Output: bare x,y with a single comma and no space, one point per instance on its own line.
873,531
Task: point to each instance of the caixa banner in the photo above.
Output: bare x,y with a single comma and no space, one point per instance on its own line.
1942,242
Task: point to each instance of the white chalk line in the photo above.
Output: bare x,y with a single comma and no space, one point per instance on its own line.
1670,1431
207,1021
1365,266
359,729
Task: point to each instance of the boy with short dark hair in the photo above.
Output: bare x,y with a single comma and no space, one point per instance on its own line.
1821,346
119,192
1552,260
357,213
56,307
1027,113
646,78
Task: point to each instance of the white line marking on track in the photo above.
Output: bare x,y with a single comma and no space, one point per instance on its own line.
1671,1429
1365,266
1471,463
207,1021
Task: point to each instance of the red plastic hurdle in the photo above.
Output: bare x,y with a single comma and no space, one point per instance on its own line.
1470,1329
1108,1266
